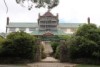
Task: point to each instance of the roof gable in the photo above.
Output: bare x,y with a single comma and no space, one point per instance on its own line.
48,13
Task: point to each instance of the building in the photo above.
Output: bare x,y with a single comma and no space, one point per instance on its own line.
46,24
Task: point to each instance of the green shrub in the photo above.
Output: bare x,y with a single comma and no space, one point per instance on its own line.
54,46
62,52
1,43
86,42
20,45
43,55
82,48
57,53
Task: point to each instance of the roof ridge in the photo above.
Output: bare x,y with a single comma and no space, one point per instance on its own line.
48,13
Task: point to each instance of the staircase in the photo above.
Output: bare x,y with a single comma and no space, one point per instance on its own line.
48,50
49,60
47,47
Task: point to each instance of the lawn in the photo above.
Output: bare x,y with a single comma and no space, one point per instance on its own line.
84,65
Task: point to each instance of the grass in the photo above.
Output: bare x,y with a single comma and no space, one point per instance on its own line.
86,65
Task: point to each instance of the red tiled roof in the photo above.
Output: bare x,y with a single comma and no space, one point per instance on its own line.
48,13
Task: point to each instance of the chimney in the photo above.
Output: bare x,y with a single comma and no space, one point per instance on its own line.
39,14
57,15
7,20
57,18
49,10
88,20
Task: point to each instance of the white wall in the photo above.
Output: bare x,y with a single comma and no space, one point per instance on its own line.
18,29
67,30
27,30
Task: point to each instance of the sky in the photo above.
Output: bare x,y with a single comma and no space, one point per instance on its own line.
70,11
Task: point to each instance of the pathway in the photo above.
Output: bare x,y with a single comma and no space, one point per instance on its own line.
47,47
51,65
50,60
42,65
5,65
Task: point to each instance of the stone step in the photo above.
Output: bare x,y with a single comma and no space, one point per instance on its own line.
49,60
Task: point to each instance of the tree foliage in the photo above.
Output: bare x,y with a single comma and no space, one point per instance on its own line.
54,46
64,53
64,37
1,40
39,3
85,43
82,48
19,45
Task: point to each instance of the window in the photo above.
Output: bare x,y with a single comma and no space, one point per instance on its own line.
31,29
73,29
22,29
12,29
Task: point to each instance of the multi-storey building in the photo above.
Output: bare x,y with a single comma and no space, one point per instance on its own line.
46,24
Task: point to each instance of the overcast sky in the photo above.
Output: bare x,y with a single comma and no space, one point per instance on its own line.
70,11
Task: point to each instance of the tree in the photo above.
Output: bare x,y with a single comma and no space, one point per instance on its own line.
82,47
54,45
85,42
88,30
1,43
38,3
20,45
64,37
1,40
62,52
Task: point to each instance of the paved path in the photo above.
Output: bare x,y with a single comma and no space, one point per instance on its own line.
49,59
51,65
13,65
42,65
47,47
